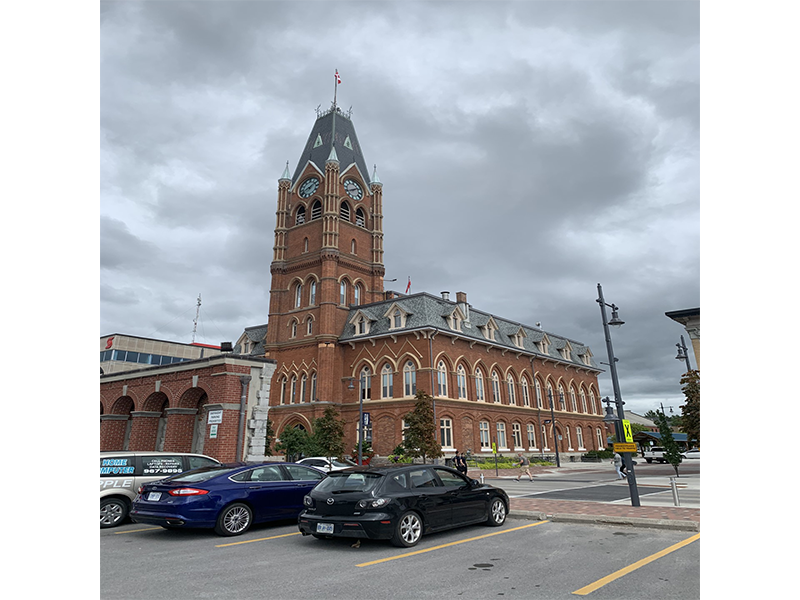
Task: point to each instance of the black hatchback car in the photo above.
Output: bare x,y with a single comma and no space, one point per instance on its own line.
398,503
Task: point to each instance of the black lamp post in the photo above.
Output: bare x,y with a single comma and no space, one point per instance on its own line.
553,421
683,354
612,363
360,413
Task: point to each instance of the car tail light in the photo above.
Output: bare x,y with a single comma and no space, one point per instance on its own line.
376,503
139,491
187,492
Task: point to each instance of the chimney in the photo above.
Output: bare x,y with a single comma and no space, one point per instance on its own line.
446,296
461,298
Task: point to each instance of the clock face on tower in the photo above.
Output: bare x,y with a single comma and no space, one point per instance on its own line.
353,189
309,186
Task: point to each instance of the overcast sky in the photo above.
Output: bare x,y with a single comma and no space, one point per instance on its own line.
528,151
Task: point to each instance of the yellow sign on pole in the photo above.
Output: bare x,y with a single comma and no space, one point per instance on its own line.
626,429
620,447
494,448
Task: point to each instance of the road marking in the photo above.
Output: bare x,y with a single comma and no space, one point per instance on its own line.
138,530
480,537
274,537
586,590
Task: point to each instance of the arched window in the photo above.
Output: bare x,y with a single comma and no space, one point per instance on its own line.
303,382
531,436
516,434
592,405
294,328
600,441
300,217
312,293
501,436
357,294
343,292
366,383
409,379
551,399
352,247
562,399
526,397
572,400
446,433
486,441
344,211
538,394
583,402
441,379
480,396
360,220
496,388
313,396
309,326
316,210
283,390
386,381
298,295
461,380
305,244
293,390
512,395
579,435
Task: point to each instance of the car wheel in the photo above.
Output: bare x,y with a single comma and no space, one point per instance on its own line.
497,513
408,530
234,520
112,512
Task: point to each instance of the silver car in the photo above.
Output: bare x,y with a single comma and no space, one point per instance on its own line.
326,464
121,474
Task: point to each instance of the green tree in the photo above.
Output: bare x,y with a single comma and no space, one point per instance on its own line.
329,433
421,429
293,443
671,451
270,435
691,410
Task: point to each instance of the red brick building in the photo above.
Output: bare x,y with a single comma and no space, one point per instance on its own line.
338,337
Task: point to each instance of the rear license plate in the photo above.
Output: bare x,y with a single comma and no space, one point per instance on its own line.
153,496
324,527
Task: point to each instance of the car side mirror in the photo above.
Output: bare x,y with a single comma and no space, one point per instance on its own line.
474,483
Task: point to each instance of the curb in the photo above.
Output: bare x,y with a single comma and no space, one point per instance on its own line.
607,520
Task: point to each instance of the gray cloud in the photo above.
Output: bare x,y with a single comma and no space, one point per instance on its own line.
528,151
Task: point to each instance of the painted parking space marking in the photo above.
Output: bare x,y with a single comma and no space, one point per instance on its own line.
138,530
273,537
480,537
586,590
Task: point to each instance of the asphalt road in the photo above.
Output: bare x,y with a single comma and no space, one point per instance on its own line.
522,559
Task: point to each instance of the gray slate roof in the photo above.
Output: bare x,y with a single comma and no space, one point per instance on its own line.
324,128
426,311
256,334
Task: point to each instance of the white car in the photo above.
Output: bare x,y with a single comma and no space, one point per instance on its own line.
323,464
692,454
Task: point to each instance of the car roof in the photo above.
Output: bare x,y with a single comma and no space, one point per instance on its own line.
149,453
382,469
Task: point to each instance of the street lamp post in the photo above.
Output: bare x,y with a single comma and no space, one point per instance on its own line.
612,363
553,420
683,354
360,413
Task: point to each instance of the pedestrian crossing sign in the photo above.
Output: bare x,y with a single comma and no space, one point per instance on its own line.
626,430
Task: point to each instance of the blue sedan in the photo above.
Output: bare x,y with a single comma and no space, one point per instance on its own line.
228,498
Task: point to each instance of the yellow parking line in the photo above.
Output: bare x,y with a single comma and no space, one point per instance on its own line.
274,537
586,590
480,537
137,530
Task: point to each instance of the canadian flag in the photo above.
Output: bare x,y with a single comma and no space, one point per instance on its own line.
338,79
408,287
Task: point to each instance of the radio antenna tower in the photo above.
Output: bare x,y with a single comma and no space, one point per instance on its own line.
196,317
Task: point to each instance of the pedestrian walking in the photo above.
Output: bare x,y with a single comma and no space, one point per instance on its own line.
524,466
460,463
619,466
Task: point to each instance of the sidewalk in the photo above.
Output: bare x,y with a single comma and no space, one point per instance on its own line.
657,509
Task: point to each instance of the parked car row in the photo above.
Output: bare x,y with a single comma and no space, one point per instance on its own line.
399,503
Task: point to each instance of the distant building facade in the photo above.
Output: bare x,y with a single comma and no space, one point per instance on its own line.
120,352
690,319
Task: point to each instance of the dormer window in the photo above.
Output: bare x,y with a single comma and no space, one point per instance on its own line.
361,323
397,317
518,339
544,345
455,322
489,330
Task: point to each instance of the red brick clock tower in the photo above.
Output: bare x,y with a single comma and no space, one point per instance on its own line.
328,254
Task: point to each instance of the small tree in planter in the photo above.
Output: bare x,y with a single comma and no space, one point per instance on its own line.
671,451
293,443
366,451
329,433
421,429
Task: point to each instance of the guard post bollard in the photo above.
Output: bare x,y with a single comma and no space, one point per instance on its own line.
674,491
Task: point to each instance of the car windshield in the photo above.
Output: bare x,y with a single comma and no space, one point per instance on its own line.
338,483
342,463
201,474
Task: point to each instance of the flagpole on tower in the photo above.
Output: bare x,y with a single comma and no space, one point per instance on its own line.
336,82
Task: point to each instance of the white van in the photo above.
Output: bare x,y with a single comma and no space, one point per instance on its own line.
121,474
